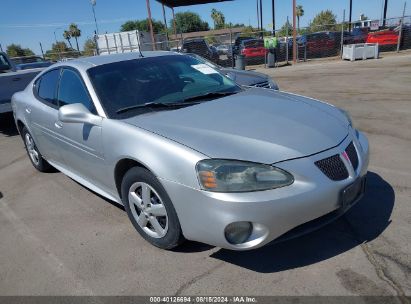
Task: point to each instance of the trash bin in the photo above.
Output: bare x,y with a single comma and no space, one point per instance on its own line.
240,62
271,59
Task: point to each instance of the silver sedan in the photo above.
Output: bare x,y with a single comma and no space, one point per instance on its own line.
189,153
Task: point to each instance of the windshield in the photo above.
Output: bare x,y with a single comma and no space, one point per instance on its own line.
163,79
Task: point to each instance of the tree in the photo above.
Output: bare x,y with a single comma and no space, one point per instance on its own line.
299,13
142,25
249,31
89,47
187,22
67,36
75,32
15,50
60,49
218,19
323,21
286,30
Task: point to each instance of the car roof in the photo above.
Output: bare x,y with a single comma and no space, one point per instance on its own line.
84,63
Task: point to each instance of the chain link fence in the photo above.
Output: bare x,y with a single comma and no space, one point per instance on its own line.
314,42
224,46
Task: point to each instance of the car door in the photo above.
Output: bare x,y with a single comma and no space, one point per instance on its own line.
83,148
42,116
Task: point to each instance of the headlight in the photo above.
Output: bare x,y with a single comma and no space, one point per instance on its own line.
347,115
220,175
273,84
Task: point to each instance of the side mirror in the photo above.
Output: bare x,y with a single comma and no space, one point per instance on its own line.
78,113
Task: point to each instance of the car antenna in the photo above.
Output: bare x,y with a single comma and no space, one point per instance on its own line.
139,45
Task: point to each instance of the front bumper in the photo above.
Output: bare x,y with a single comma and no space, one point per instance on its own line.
204,215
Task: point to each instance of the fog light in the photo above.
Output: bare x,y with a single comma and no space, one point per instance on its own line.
238,232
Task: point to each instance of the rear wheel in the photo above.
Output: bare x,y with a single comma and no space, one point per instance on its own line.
35,156
150,209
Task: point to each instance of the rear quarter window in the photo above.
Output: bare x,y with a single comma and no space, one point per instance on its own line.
46,86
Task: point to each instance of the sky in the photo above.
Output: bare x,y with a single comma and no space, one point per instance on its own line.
28,22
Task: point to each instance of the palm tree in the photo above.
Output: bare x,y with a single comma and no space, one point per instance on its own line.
299,13
214,16
67,36
218,18
75,32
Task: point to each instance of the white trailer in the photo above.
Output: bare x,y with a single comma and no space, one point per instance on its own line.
126,42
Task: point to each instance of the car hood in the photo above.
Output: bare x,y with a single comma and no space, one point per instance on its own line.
247,78
255,125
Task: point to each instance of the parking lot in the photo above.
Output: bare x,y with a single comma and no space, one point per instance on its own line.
58,238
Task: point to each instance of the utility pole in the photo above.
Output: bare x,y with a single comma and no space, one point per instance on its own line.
261,18
93,4
294,34
400,33
150,23
349,19
165,24
273,7
174,24
41,48
385,13
258,17
342,36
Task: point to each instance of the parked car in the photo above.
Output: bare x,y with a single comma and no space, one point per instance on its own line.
33,65
320,44
28,59
223,49
253,48
383,37
244,78
199,46
12,80
189,153
359,35
237,44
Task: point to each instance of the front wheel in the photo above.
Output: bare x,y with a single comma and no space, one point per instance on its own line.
150,209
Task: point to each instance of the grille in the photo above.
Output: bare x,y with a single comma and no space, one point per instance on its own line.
333,167
352,154
264,84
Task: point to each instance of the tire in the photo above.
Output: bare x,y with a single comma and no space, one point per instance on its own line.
34,154
150,209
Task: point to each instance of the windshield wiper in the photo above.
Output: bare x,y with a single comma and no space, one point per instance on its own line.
208,95
144,105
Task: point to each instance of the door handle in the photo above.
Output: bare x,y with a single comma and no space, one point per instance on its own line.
16,79
28,110
58,125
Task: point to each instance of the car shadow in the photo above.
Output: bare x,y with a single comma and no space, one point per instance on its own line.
363,223
7,125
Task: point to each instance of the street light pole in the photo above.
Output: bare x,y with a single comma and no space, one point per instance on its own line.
93,4
55,38
150,23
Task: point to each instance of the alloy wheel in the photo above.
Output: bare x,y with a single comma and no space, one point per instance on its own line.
148,209
31,149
